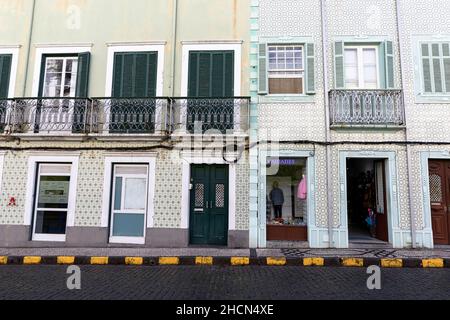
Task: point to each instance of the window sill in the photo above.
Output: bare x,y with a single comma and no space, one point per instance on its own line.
302,98
367,127
433,99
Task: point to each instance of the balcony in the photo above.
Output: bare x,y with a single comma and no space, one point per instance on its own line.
228,115
123,116
366,108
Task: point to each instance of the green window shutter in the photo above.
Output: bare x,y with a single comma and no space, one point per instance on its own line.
5,73
310,69
389,60
84,60
211,74
339,72
446,60
263,62
426,68
135,74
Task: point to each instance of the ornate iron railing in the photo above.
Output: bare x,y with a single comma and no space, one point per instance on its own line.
130,115
45,115
366,107
211,115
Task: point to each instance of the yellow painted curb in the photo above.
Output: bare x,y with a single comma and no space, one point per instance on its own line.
134,261
353,262
433,263
276,261
392,263
32,260
99,260
309,262
3,260
169,261
65,260
240,261
204,261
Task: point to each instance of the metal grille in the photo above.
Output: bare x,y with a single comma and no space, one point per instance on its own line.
199,195
220,195
435,188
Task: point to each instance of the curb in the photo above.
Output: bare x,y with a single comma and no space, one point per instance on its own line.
426,263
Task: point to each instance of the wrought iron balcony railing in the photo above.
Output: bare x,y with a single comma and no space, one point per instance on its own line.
366,107
227,115
45,115
130,115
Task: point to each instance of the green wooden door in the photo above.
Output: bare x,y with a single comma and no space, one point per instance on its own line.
209,205
211,75
5,73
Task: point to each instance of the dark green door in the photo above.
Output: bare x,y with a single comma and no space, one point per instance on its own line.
5,72
209,205
211,75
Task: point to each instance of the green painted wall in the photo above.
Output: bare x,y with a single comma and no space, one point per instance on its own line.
104,21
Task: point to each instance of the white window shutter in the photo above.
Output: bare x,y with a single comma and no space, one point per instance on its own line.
263,61
310,69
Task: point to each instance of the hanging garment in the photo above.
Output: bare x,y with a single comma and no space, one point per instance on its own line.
302,193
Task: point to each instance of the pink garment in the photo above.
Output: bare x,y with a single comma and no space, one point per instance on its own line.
302,190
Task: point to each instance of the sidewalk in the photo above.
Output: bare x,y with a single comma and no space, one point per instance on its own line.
439,257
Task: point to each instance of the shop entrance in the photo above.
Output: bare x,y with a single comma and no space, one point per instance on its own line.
286,200
367,201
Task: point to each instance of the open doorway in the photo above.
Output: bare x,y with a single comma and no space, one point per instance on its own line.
367,201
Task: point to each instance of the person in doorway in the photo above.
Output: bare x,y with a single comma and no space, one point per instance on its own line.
277,198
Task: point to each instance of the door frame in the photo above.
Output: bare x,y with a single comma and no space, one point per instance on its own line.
397,237
187,160
425,237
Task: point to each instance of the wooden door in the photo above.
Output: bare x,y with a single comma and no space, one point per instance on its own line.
382,226
439,196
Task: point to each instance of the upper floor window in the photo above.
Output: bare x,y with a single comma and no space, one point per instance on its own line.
361,67
286,69
60,76
5,73
435,68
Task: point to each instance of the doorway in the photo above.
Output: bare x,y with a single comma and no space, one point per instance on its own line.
367,201
209,200
439,171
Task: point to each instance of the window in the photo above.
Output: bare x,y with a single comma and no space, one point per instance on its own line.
5,74
51,201
60,77
286,69
435,68
361,67
129,202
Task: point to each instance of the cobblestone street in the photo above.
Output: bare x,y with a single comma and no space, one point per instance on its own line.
220,283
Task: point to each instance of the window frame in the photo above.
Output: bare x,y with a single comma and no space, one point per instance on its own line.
303,70
434,94
114,48
65,58
360,49
14,51
128,239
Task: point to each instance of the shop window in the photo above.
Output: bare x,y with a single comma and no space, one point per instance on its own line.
287,199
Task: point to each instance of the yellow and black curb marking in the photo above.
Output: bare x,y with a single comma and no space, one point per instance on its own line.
229,261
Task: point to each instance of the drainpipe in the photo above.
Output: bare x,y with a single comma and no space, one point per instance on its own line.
327,120
408,148
30,36
174,46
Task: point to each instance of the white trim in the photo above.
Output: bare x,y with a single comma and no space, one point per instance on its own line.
30,190
14,51
135,47
189,159
142,43
52,49
2,162
235,46
117,158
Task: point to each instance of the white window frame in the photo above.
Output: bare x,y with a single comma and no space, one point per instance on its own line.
112,159
114,48
51,158
302,45
49,50
14,51
124,239
62,85
360,49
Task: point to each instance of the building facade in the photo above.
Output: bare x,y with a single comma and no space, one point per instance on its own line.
103,113
266,123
